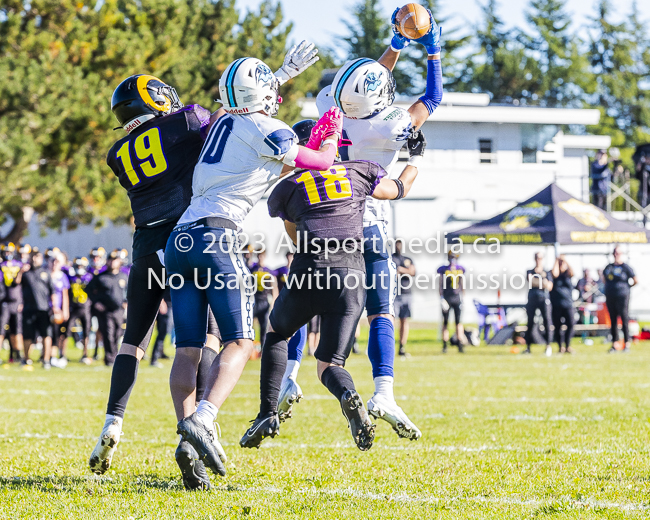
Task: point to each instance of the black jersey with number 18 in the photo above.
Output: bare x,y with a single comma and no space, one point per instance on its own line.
327,206
155,164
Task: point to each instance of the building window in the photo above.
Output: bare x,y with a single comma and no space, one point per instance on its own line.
486,155
534,139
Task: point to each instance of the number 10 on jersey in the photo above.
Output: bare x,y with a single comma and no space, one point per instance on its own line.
335,182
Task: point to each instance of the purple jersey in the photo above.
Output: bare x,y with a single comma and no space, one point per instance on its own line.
451,279
155,164
61,283
10,270
326,206
78,283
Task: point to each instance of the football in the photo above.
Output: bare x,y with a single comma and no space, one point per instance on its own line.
413,21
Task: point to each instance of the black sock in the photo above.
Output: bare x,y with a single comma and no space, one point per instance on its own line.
207,357
274,362
337,380
125,371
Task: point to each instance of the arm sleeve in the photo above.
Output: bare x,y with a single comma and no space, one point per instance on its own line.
433,93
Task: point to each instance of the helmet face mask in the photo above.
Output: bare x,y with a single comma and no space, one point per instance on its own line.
142,97
247,86
363,87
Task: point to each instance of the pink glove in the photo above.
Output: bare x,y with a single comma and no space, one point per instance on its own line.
331,123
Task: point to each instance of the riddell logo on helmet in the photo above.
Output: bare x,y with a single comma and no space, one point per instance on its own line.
237,110
133,124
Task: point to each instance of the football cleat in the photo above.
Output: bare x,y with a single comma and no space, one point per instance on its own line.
362,430
381,408
549,351
262,427
102,455
290,393
195,477
204,441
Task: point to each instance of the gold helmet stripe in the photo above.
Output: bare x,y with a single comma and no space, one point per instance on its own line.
146,96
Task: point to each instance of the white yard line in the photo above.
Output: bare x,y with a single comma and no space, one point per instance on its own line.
427,498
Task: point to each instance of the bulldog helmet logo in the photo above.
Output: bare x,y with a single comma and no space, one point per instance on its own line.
586,214
523,217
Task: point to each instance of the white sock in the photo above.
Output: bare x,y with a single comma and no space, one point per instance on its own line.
384,387
291,371
110,418
206,412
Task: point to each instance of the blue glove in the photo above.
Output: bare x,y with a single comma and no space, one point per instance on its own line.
431,40
398,42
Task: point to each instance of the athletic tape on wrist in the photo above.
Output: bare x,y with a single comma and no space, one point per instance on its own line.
415,160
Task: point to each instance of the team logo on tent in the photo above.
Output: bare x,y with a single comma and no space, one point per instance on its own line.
586,214
523,217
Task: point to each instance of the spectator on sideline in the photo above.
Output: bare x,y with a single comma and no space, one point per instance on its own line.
617,293
452,287
600,176
587,287
38,297
539,285
405,274
562,303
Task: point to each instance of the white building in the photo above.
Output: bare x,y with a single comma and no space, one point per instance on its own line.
482,159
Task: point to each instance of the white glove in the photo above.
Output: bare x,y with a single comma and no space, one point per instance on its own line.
297,60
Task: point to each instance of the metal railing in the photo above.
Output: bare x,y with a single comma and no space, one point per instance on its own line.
623,192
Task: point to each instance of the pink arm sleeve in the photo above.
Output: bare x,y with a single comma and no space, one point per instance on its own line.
313,160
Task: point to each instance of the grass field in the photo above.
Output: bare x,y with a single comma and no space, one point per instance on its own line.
504,436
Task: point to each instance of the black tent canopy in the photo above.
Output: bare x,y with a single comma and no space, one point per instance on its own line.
553,216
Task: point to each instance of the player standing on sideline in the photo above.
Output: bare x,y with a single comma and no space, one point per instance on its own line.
80,305
617,294
266,292
540,282
452,287
405,274
11,311
60,308
154,163
364,90
38,295
324,208
107,291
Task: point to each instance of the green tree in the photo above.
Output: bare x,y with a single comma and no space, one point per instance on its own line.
502,66
619,54
63,58
564,75
369,31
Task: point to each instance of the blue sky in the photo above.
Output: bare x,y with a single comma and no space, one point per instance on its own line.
321,21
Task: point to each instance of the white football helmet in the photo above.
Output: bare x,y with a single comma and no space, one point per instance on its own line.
247,86
363,87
